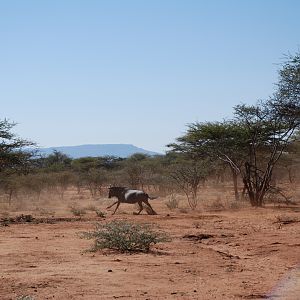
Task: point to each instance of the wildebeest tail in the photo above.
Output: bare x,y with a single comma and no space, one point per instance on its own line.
151,198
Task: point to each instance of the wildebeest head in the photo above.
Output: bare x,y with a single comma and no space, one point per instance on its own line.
115,191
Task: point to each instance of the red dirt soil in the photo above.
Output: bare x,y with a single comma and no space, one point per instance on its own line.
249,256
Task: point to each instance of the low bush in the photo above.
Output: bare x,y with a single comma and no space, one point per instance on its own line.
124,236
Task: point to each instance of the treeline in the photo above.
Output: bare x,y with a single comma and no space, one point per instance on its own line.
58,172
164,175
259,145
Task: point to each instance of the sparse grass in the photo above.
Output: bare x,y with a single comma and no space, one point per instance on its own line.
125,236
284,219
4,207
234,205
100,213
5,214
91,207
183,210
44,211
78,211
172,202
216,204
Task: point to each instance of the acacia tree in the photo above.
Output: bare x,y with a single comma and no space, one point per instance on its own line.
287,100
254,141
13,159
224,141
12,154
269,134
271,126
56,161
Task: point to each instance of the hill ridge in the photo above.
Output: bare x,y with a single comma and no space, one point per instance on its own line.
94,150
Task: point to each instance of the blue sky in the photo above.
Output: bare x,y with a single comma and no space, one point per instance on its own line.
92,72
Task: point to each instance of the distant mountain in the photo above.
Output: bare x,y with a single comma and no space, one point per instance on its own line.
119,150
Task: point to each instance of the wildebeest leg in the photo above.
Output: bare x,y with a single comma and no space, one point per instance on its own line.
141,207
116,207
148,204
112,205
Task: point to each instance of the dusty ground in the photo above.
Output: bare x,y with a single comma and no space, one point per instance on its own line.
249,256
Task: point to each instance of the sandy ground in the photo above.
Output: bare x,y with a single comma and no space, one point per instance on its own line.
249,256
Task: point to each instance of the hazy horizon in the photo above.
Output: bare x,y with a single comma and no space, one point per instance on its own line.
136,72
96,150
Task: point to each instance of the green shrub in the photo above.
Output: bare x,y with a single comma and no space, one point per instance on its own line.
124,236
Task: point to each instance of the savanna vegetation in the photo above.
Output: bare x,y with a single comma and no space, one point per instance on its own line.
255,152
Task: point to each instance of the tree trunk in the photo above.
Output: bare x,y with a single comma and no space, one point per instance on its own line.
248,185
235,184
257,186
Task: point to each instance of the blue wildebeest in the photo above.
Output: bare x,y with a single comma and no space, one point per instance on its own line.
126,195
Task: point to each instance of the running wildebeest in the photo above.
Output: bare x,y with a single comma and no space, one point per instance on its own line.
126,195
